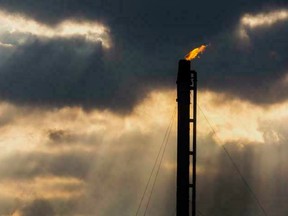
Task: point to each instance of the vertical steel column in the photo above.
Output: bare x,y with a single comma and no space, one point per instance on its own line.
194,146
183,137
184,86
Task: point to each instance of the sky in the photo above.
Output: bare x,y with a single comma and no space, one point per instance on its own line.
88,91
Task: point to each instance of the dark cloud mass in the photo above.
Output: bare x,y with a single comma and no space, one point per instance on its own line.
72,72
148,39
63,73
255,73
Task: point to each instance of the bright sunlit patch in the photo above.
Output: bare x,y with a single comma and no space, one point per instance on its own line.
45,187
90,30
260,20
239,121
264,19
6,45
94,131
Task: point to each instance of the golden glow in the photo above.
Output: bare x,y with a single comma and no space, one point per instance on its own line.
241,122
92,31
17,213
238,124
233,120
195,52
45,187
140,131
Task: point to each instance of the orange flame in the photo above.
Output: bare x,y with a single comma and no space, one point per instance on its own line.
195,52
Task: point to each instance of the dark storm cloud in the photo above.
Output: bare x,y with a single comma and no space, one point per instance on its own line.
255,71
62,73
158,15
148,39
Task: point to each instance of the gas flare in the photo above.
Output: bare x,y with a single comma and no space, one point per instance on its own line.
195,52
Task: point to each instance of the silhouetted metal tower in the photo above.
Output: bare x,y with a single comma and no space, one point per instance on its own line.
186,153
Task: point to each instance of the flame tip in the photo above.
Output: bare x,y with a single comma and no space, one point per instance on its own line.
195,52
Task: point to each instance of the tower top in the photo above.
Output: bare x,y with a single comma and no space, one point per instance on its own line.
184,73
